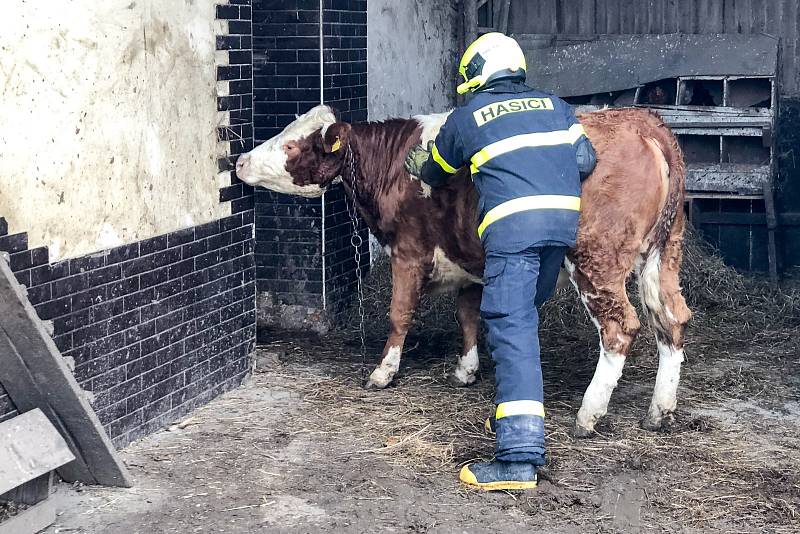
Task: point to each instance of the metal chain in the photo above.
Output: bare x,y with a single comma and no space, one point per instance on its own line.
357,242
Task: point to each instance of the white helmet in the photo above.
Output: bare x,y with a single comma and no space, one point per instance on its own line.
491,57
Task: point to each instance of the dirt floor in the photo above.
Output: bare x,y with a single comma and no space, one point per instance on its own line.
303,448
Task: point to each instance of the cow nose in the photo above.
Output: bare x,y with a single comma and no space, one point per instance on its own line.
242,164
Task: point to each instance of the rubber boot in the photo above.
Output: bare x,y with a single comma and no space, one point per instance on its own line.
490,425
498,475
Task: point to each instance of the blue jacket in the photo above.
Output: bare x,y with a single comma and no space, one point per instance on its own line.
524,148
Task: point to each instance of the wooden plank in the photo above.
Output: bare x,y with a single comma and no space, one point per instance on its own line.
772,227
24,392
640,18
735,240
727,178
741,15
728,18
686,16
626,19
711,16
32,520
655,17
586,17
501,13
31,492
670,9
470,21
612,19
788,28
30,446
63,400
620,63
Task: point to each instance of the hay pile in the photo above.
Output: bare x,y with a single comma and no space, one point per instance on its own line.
741,346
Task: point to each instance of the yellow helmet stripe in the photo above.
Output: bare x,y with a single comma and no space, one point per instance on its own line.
520,407
441,161
509,144
535,202
470,52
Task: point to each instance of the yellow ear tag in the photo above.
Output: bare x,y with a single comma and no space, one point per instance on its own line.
337,144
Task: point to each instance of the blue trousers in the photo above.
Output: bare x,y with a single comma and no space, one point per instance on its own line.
516,285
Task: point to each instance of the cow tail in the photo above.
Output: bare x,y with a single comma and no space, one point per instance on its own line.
673,156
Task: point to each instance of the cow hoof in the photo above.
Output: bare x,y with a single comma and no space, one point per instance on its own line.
460,382
658,424
374,386
581,432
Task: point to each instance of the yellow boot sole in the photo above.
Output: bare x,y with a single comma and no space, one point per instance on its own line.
467,477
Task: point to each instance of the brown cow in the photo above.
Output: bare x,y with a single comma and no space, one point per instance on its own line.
632,221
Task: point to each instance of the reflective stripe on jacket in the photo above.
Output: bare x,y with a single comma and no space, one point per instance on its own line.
520,145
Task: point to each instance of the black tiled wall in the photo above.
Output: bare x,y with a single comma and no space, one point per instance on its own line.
286,79
157,327
345,31
286,83
236,77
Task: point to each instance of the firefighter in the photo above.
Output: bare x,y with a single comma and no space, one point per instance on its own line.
527,154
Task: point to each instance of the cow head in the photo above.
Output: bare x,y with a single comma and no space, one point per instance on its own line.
302,160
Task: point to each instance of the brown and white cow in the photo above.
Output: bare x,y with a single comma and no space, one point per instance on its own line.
632,221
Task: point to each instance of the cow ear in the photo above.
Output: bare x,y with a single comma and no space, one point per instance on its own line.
336,137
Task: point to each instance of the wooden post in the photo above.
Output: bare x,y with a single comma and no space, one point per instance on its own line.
502,9
470,22
468,30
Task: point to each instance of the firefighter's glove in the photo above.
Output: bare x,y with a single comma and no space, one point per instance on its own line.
417,157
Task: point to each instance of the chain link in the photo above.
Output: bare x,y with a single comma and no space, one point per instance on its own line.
356,241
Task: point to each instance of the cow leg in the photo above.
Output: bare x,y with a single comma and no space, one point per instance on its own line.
406,291
659,287
468,303
616,321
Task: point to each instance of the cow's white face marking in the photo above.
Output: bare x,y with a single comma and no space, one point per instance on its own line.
595,400
431,124
665,394
388,250
467,367
447,275
265,165
384,373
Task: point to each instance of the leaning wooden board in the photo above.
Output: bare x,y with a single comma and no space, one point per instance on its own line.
32,520
30,446
35,375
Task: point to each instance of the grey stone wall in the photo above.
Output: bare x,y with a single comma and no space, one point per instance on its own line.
412,57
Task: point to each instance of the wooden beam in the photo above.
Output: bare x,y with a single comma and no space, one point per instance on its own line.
502,8
30,447
21,387
32,520
35,375
757,219
32,492
470,21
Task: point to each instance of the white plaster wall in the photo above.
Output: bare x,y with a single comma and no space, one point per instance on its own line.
108,113
412,56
